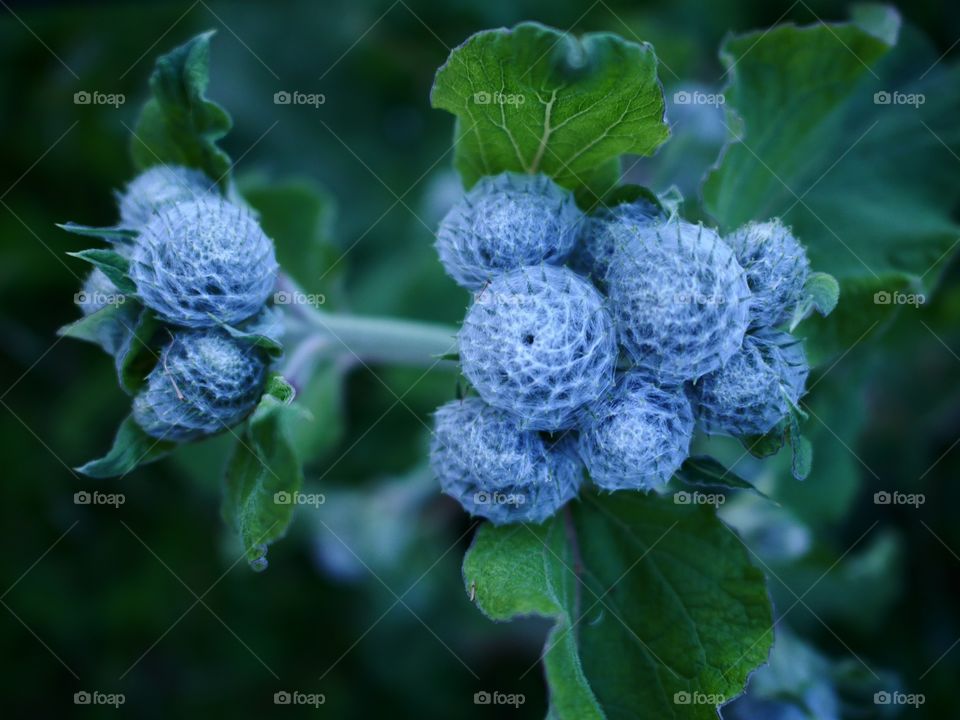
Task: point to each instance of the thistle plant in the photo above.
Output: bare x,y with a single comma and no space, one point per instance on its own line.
609,333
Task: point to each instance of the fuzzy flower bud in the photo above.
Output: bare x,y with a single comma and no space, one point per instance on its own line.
679,299
156,188
638,435
777,267
504,222
204,382
599,236
497,470
756,388
539,343
203,258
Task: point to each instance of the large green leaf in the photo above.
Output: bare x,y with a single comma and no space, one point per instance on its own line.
263,473
654,602
533,99
179,125
867,186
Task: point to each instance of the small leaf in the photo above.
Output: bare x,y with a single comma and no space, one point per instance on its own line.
113,234
802,459
108,327
770,443
137,355
707,472
132,447
263,473
179,125
651,601
532,99
821,293
270,345
114,265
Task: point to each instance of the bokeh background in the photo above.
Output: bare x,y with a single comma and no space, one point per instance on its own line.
149,599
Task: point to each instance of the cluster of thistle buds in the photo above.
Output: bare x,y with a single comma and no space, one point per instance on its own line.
599,343
204,269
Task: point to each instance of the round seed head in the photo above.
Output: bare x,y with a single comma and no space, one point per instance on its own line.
204,382
504,222
497,470
203,261
539,343
158,187
599,236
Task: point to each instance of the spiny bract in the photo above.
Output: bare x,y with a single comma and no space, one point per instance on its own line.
679,299
637,435
203,383
204,261
756,388
598,236
538,342
497,470
158,187
777,267
504,222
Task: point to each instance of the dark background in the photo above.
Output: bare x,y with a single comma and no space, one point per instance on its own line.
97,598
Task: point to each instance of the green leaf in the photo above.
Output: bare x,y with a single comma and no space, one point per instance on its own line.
137,354
131,447
708,472
108,327
532,99
649,599
112,234
821,294
770,443
866,182
114,265
264,464
802,449
179,125
272,347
